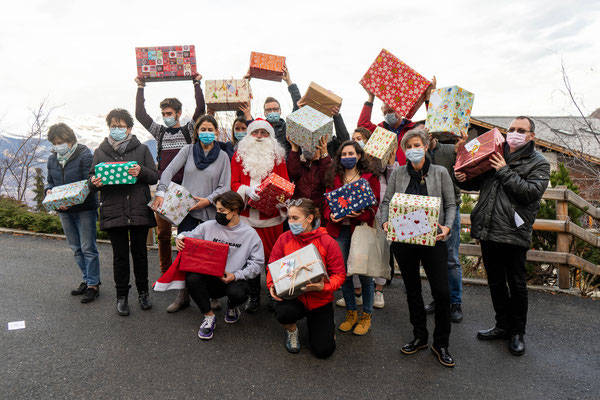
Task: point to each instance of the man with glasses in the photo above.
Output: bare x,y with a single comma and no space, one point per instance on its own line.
502,221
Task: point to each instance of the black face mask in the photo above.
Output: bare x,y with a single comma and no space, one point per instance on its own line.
221,218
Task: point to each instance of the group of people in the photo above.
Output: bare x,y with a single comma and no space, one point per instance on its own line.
223,175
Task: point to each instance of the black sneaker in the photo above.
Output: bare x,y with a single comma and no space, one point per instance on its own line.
456,314
430,308
80,290
252,305
90,295
122,306
144,300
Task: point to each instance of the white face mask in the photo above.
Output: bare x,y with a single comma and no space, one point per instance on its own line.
61,149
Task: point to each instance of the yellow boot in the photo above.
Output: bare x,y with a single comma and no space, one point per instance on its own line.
364,323
349,322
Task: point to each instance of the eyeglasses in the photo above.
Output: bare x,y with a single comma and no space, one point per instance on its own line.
259,134
518,130
270,110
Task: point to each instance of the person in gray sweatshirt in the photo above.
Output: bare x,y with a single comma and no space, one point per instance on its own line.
244,261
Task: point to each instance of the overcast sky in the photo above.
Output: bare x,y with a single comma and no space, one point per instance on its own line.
81,53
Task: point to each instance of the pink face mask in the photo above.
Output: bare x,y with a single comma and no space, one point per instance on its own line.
516,140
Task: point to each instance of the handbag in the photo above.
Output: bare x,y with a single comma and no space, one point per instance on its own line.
369,253
204,257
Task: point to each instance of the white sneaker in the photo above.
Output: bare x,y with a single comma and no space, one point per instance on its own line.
378,301
341,302
215,304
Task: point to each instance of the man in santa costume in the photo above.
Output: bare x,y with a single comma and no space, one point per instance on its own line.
258,155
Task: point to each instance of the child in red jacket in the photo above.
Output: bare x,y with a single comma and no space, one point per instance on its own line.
316,303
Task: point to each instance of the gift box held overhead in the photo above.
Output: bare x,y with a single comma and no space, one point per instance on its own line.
293,272
381,145
413,219
266,66
204,257
322,99
353,196
449,110
176,204
272,191
395,83
115,173
166,63
68,195
227,94
473,157
307,126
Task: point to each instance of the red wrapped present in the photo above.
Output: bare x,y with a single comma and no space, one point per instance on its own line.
204,257
266,66
473,158
396,84
166,63
272,191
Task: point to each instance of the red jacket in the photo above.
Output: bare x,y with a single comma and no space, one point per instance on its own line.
330,253
368,216
308,177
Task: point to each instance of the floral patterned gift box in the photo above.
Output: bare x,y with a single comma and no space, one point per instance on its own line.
449,110
272,191
381,145
166,63
176,205
306,126
115,173
227,94
67,195
354,196
412,206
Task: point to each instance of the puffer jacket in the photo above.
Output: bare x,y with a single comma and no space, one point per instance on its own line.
514,190
126,205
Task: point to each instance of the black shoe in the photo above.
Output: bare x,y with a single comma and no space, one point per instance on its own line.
456,314
516,345
443,356
252,305
144,300
271,305
90,295
80,290
122,306
430,308
492,334
414,346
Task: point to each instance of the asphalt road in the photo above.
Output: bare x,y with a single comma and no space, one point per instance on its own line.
73,350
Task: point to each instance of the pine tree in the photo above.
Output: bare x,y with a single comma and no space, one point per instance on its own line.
38,189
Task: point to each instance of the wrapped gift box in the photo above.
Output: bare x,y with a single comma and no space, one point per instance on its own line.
306,126
291,273
449,110
176,205
266,66
68,195
115,173
322,99
381,145
414,218
227,94
204,257
166,63
395,83
272,191
353,196
473,157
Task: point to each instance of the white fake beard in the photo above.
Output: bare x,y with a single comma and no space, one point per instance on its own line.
259,157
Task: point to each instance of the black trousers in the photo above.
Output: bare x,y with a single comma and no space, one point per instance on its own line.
189,223
435,263
320,323
203,287
120,239
505,264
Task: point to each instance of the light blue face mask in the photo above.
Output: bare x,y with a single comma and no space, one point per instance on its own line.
273,117
118,133
415,155
61,149
361,144
170,121
391,119
240,135
206,137
296,227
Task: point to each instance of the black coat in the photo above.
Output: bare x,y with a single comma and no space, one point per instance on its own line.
126,205
515,189
76,169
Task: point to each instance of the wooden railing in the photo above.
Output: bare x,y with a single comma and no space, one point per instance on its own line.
565,230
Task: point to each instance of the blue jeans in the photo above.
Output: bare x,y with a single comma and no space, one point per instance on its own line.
454,267
368,289
80,230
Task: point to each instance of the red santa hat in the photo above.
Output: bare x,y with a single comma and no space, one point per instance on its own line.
260,123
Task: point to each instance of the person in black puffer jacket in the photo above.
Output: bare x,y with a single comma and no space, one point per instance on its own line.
70,162
124,213
502,220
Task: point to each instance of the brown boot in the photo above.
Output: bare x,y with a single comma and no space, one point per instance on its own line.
349,322
181,301
364,323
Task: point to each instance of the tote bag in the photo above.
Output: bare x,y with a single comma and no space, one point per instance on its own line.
369,253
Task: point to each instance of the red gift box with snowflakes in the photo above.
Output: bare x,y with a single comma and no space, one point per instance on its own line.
166,63
272,191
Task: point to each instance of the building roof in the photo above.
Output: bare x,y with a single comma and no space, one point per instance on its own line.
569,135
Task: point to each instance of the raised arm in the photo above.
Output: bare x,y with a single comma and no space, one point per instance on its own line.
140,108
292,87
364,120
199,95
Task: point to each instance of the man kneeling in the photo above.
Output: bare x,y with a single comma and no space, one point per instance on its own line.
244,261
